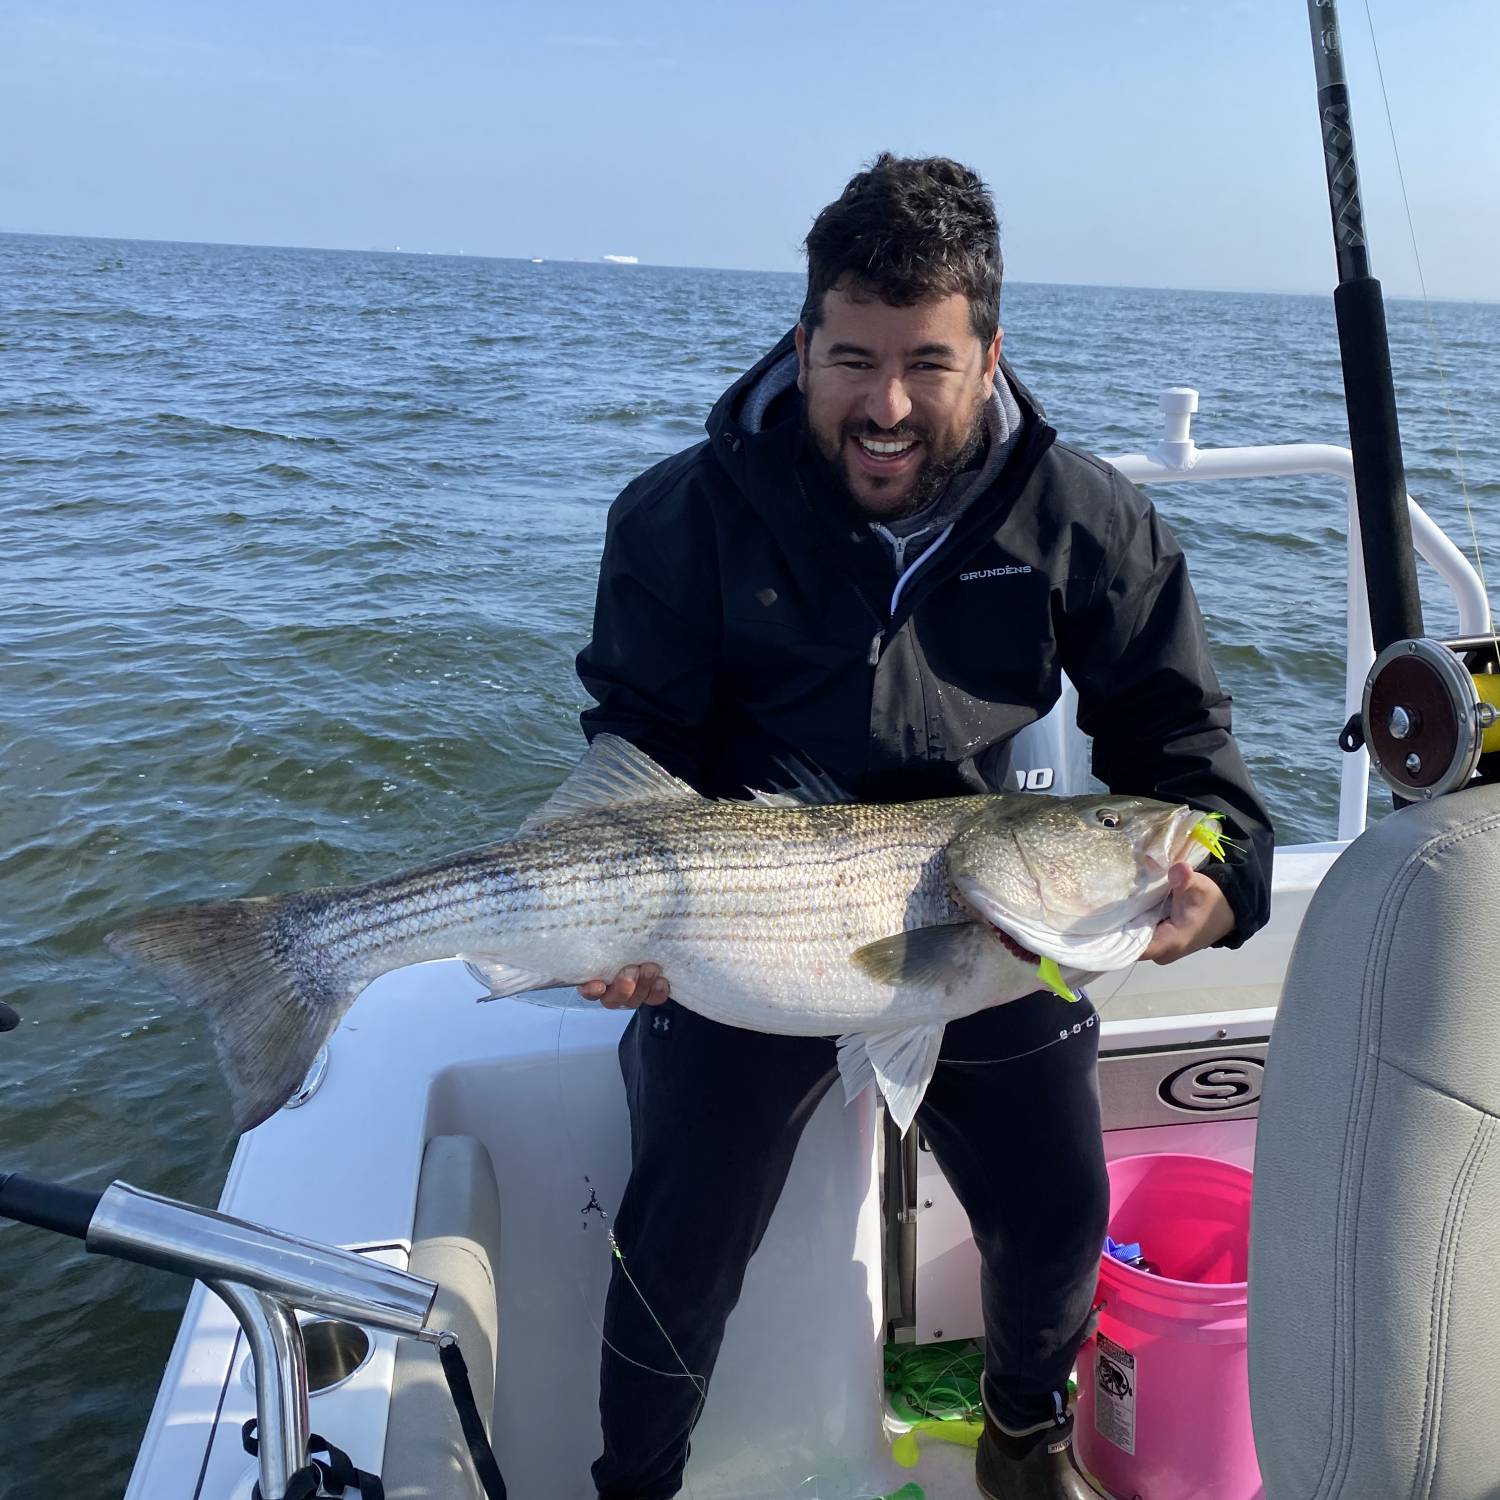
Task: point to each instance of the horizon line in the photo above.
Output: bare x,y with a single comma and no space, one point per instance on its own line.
1116,286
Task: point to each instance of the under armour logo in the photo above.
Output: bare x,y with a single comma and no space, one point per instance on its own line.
661,1024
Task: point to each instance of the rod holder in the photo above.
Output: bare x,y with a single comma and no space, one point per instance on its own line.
1178,450
213,1247
265,1277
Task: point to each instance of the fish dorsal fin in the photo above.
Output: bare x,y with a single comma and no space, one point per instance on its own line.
900,1063
810,787
612,773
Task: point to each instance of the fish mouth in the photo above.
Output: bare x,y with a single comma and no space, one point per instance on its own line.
1185,844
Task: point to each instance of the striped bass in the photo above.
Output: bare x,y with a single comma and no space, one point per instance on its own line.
874,923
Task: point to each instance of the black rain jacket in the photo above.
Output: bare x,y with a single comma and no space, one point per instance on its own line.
745,615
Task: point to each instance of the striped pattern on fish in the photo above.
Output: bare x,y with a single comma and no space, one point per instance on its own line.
878,923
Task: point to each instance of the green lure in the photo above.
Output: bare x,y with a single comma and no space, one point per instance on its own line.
1208,833
1051,976
906,1451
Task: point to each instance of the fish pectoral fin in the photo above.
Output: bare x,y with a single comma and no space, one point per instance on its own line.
612,773
923,955
502,979
900,1063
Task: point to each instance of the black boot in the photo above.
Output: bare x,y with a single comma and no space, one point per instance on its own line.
1038,1466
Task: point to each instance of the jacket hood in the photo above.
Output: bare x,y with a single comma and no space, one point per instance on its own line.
735,414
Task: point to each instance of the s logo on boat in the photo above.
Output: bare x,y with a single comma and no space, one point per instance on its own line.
1214,1084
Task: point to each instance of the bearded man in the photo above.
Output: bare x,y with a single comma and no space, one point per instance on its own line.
879,563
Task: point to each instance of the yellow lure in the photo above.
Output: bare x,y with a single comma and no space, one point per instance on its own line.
1206,831
966,1433
1051,976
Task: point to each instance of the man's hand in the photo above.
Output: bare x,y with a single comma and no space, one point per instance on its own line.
634,985
1199,915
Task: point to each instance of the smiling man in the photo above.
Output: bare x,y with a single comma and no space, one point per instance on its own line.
896,396
880,562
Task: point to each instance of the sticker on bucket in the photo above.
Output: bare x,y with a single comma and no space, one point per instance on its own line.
1114,1394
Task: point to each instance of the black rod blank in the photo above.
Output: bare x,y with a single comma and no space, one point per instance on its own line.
1364,349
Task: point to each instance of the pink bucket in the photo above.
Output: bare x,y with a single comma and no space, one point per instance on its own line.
1163,1388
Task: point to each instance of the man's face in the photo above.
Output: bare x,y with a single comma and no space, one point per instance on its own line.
895,396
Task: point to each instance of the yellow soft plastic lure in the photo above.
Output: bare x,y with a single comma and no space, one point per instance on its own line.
1051,976
1205,831
966,1433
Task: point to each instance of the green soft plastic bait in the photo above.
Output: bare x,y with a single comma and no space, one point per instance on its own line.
1051,976
1206,831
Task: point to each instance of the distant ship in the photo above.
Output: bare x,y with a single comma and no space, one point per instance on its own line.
536,260
623,260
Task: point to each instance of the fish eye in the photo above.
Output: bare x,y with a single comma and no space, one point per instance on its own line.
1107,818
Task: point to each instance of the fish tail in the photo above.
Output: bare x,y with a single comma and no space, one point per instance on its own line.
239,963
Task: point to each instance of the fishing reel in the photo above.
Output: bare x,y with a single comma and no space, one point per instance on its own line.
1430,715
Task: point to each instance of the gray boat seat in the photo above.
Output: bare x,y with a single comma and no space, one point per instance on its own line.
455,1242
1375,1247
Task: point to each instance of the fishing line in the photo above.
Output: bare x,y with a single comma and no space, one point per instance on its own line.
595,1207
1064,1032
1432,333
936,1381
933,1379
817,1478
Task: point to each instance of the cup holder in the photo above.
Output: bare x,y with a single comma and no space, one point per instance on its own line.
335,1351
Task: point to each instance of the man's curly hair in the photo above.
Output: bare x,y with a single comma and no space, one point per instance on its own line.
908,230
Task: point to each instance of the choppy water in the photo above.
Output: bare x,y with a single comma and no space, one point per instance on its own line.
296,548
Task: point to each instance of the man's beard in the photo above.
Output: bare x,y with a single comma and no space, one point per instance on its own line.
932,478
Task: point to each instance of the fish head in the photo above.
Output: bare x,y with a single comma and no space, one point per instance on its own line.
1081,880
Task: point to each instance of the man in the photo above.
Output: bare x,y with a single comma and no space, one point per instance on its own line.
879,563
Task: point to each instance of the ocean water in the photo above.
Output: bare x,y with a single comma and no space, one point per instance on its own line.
296,549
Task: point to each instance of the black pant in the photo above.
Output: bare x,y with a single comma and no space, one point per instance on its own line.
716,1113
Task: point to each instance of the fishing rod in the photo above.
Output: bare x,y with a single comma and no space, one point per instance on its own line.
1430,713
1365,352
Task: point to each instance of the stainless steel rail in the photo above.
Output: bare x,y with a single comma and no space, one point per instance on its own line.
265,1277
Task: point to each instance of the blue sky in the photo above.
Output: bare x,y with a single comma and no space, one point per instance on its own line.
1143,142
